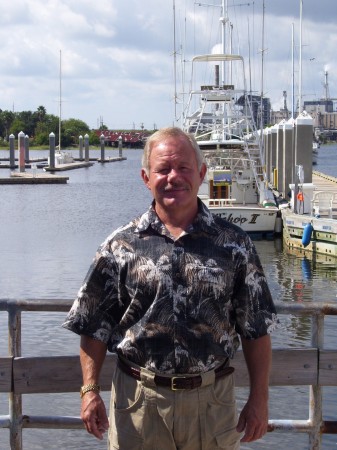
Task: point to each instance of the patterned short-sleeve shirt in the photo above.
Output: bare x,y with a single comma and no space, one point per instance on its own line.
174,305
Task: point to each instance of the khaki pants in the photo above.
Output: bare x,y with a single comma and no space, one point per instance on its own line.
148,417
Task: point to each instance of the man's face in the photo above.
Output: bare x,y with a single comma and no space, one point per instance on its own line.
174,178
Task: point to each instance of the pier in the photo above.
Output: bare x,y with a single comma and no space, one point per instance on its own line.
312,366
33,178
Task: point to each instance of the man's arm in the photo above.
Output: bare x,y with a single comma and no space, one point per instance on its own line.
253,419
93,412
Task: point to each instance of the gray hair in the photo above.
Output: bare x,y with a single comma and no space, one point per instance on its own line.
169,132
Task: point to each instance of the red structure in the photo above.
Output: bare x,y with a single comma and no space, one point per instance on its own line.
131,139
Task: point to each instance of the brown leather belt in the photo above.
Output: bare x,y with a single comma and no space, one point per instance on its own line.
176,382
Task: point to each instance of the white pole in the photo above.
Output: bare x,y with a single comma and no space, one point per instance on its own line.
300,68
293,73
60,105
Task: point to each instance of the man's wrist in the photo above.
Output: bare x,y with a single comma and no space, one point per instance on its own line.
89,388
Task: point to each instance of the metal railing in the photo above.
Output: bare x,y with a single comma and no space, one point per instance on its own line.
15,421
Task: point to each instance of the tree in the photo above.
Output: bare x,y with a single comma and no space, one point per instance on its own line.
41,113
17,126
6,119
72,129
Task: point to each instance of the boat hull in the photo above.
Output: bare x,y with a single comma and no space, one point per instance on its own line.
323,237
254,220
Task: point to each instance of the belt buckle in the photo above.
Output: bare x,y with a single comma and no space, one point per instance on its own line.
173,380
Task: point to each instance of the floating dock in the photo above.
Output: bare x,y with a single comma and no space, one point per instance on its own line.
69,166
33,178
109,160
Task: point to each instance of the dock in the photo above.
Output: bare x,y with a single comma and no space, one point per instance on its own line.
70,166
33,178
110,160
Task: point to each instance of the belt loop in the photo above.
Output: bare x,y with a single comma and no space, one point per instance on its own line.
207,378
147,378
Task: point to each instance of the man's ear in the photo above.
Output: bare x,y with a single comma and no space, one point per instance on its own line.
145,178
203,171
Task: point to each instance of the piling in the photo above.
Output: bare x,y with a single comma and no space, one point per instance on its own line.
27,148
102,147
266,138
272,152
80,142
288,156
303,144
86,148
52,151
21,146
120,146
12,151
279,156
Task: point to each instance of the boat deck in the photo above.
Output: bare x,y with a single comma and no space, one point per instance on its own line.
323,182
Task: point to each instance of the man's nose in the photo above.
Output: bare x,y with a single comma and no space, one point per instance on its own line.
172,174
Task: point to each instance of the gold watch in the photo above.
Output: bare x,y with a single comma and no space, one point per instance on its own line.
89,387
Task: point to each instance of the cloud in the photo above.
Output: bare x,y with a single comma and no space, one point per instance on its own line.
117,56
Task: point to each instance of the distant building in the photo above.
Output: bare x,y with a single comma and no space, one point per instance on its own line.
255,103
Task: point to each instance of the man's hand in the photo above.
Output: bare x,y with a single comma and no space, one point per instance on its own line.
93,414
253,420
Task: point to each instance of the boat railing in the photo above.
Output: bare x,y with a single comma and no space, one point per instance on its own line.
312,366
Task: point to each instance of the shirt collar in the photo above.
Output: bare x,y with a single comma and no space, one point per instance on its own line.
204,221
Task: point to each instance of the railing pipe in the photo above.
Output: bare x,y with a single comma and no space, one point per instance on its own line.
315,395
15,400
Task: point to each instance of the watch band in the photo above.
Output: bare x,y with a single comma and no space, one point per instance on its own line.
89,387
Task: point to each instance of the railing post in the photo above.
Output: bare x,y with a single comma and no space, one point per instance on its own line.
15,401
315,397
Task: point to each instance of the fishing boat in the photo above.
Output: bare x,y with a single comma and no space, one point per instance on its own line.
220,117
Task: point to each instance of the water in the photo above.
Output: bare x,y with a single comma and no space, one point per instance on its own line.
49,234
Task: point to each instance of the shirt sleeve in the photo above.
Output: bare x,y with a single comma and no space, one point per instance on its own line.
255,313
95,311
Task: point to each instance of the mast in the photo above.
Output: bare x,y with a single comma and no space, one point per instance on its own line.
293,74
175,60
262,72
60,102
300,68
223,20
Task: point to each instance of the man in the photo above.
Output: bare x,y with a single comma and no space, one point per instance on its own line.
169,293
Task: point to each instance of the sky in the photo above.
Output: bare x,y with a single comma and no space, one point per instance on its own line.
122,65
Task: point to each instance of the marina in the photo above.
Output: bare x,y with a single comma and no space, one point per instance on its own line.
45,260
263,181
